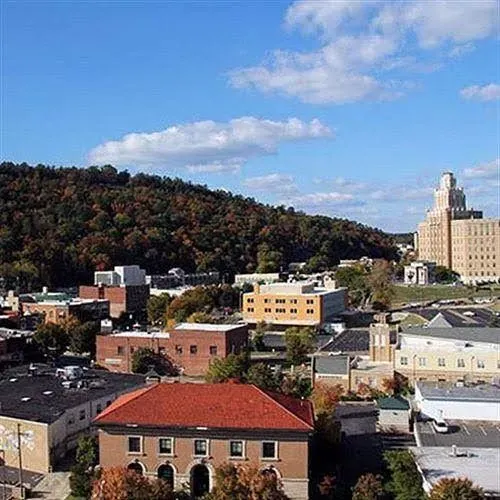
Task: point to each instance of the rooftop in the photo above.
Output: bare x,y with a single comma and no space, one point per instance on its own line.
351,340
209,327
331,365
449,391
218,406
42,398
480,465
482,334
141,334
393,403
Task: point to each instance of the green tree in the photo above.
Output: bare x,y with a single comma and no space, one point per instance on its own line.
450,488
445,275
262,376
297,385
368,487
83,337
355,279
233,366
380,282
198,299
83,472
405,480
157,308
51,339
144,359
299,343
258,339
268,260
201,317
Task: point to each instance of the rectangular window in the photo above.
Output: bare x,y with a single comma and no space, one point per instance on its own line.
166,446
403,360
134,444
200,447
460,363
250,301
441,362
422,361
250,309
82,415
480,363
269,450
236,449
293,311
120,350
193,349
98,409
267,309
178,349
309,301
213,350
293,301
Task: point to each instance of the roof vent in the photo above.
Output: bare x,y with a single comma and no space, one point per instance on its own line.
13,380
25,400
47,393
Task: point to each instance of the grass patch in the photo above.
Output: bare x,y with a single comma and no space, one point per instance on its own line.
404,294
413,319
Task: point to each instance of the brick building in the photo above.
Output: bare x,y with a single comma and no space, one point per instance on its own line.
191,346
182,432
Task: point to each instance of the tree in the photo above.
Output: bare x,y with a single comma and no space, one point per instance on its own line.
118,483
390,385
262,376
325,397
297,385
368,487
201,317
196,299
157,308
405,480
258,339
144,359
238,482
233,366
83,337
445,275
380,282
299,343
450,488
82,473
355,279
268,260
52,339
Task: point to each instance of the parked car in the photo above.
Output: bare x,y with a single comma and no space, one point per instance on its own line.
440,426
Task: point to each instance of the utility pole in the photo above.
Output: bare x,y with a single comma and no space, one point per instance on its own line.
2,464
20,459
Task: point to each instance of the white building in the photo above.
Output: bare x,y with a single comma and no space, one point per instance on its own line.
447,401
121,276
420,272
252,279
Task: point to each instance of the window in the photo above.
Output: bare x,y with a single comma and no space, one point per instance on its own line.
166,446
132,349
480,363
236,449
120,350
403,360
310,311
269,450
250,301
71,420
108,403
178,349
134,444
193,349
422,361
280,310
293,311
441,362
293,301
162,351
81,416
266,301
460,363
309,301
213,350
200,447
267,309
98,409
280,301
250,309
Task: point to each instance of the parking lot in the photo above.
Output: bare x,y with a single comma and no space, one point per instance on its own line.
462,434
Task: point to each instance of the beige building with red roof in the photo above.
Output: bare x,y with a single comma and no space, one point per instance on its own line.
182,432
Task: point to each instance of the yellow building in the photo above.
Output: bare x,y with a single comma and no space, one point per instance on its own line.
294,304
459,238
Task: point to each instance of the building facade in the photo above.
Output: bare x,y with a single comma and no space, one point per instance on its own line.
459,238
294,304
198,427
420,273
190,346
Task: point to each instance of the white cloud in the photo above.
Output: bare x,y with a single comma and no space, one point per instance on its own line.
461,50
207,146
490,170
278,183
489,92
362,42
316,199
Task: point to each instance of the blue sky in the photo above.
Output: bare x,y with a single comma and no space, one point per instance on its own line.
343,108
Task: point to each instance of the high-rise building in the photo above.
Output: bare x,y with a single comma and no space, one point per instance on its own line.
459,238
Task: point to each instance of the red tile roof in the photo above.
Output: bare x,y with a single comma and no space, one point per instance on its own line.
223,406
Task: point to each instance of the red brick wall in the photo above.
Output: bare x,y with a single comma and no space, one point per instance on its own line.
177,348
121,298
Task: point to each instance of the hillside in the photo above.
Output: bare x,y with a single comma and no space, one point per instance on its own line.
58,224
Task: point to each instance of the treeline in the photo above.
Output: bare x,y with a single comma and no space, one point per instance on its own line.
57,225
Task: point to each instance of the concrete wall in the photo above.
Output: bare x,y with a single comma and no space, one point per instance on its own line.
396,419
460,410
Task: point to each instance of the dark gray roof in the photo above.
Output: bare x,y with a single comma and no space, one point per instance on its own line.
16,384
450,392
350,340
331,365
393,403
486,335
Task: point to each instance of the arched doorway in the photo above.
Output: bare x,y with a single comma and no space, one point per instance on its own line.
200,480
271,473
136,467
166,473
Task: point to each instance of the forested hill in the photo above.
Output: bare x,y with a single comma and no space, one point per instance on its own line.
58,224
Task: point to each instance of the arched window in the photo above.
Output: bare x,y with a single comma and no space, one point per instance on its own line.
166,473
136,467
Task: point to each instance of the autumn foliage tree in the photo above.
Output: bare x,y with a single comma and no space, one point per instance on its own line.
368,487
238,482
325,397
450,488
